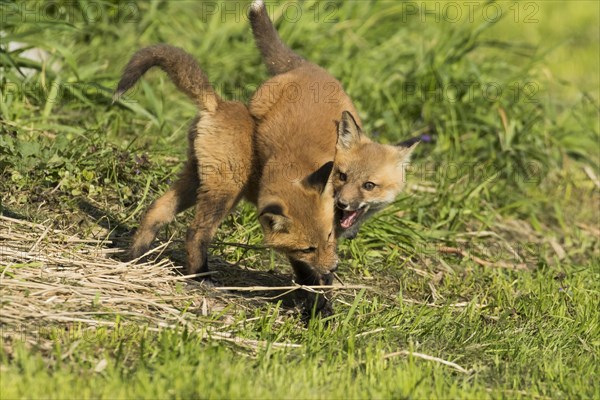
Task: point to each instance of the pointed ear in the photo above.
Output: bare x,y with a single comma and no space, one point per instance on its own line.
404,153
273,219
318,179
348,132
409,142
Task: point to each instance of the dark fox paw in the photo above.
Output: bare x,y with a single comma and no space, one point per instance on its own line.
205,281
326,310
136,254
317,306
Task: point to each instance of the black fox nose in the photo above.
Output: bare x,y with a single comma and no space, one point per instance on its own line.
342,205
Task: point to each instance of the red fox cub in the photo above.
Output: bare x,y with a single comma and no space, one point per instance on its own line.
220,137
282,165
367,176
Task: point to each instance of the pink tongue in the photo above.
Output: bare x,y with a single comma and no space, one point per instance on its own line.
348,218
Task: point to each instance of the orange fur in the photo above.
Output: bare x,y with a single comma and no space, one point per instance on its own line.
367,176
281,164
356,156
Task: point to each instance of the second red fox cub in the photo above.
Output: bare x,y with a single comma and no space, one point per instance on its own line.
367,176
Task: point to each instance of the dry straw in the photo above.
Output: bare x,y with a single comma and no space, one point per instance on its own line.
52,281
50,278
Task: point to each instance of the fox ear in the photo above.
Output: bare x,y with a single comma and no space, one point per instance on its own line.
348,132
318,179
404,153
273,219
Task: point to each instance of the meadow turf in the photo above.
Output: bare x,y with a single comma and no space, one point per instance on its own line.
481,281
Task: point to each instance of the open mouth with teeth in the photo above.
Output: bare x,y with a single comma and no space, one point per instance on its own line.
349,218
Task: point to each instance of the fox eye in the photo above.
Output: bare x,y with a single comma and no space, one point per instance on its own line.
343,177
369,186
308,250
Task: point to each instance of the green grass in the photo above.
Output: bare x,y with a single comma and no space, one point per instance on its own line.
531,338
514,109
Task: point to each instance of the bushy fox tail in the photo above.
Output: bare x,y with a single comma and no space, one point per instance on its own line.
182,69
276,55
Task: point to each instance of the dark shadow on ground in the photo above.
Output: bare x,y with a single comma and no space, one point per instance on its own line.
119,232
226,274
11,214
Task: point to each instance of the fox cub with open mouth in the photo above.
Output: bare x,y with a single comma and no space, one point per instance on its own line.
367,176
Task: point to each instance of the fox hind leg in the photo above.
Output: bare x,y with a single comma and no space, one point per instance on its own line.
211,208
181,196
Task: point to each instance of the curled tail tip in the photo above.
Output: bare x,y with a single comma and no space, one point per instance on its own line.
123,86
257,6
116,97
